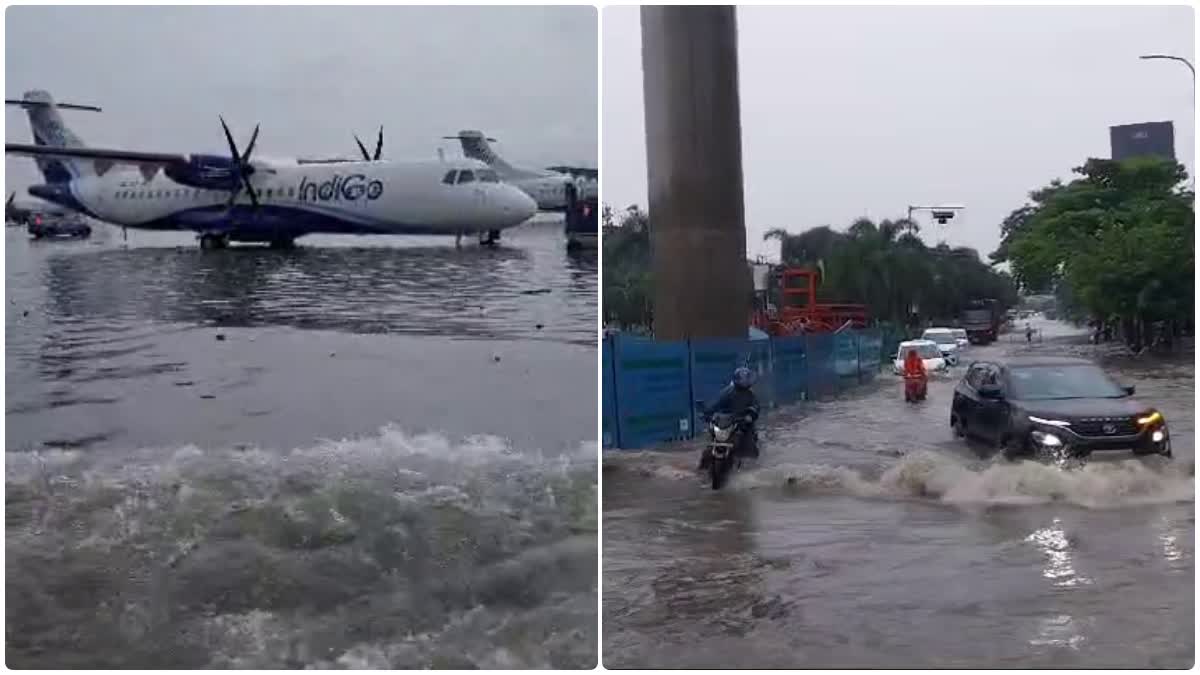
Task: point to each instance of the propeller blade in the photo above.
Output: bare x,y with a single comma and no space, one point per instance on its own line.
233,195
11,197
250,148
366,155
233,151
250,189
379,144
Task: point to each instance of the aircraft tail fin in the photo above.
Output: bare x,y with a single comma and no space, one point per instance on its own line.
475,146
49,130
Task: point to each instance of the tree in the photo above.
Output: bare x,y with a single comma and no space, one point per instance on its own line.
628,280
1118,243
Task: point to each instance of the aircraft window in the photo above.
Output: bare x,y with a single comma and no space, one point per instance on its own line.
466,176
269,191
448,179
178,194
291,191
488,176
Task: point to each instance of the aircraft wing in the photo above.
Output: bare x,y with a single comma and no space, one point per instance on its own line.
577,171
104,159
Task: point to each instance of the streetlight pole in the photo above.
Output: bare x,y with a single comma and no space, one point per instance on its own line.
1168,57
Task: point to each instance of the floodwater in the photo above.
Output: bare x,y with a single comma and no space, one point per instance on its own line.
365,452
868,537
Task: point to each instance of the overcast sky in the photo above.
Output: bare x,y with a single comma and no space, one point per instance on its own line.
312,76
862,111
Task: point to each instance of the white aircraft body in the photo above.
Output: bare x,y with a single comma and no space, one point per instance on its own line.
548,188
239,198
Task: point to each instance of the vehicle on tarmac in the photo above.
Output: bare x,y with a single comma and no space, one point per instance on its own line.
930,355
59,227
946,342
1054,408
960,336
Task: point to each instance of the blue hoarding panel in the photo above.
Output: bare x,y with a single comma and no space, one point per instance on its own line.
653,399
608,395
846,358
789,358
870,354
822,365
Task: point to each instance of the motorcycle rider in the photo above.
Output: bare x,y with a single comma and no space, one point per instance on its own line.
915,377
738,399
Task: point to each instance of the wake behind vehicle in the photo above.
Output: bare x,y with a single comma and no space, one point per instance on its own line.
946,341
1054,408
930,355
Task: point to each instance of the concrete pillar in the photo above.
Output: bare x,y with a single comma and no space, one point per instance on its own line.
694,160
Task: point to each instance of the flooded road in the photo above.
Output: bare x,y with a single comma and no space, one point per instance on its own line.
868,537
365,452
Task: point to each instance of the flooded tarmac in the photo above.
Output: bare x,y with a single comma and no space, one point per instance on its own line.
867,536
372,452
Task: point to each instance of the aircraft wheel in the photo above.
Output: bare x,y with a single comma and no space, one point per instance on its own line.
212,241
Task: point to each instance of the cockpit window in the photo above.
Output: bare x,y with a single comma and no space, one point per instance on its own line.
488,176
448,179
466,176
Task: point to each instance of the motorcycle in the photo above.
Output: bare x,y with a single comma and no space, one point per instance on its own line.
915,388
724,434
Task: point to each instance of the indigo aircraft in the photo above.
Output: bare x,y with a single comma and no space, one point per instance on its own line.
248,199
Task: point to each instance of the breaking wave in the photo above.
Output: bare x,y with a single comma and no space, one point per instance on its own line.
951,480
390,551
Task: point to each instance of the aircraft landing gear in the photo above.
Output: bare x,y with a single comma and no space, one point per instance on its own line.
489,238
209,241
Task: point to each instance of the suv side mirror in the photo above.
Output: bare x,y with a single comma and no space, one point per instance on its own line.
991,391
1129,389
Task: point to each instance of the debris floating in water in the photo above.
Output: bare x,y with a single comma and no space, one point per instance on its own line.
535,291
220,337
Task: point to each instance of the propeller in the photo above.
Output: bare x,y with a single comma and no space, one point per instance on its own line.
378,147
242,163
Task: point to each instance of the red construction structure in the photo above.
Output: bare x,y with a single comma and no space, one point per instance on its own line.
799,312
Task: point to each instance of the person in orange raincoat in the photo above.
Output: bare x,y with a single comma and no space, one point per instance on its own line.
915,379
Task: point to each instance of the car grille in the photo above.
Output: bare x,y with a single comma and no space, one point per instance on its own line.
1100,427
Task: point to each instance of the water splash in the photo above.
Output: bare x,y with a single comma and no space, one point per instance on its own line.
337,553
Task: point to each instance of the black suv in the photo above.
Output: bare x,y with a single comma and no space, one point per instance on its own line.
1060,407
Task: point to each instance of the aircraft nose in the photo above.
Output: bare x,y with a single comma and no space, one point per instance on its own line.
517,204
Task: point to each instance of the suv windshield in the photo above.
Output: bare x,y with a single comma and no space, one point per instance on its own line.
1040,383
942,338
923,351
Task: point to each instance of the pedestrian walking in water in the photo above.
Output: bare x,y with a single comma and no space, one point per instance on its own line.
1028,334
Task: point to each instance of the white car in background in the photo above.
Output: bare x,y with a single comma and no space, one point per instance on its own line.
960,335
930,355
946,341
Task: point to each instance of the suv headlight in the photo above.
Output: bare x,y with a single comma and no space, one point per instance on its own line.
1046,439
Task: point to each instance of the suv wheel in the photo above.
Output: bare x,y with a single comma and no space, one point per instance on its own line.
958,425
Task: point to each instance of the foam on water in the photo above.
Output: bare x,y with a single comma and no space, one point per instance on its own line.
394,550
